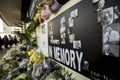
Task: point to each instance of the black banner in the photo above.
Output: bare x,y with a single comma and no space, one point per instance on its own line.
78,39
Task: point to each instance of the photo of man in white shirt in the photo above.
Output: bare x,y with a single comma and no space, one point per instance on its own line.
111,40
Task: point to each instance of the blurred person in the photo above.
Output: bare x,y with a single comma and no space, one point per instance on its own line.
5,40
111,40
10,41
15,40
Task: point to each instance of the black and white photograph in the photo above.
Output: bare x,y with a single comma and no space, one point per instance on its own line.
71,38
106,16
69,31
62,22
74,13
63,36
101,4
116,13
71,22
111,30
98,5
62,30
111,40
77,44
62,40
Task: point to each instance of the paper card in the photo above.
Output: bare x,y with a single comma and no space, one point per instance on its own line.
71,22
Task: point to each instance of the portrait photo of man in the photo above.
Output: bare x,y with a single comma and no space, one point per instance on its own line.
111,41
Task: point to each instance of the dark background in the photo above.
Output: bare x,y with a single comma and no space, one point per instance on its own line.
89,32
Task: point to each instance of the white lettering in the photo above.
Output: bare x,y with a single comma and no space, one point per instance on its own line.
67,58
58,53
72,56
62,53
79,59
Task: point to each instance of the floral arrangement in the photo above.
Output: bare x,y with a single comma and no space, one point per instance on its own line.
12,63
35,56
60,74
17,67
46,7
